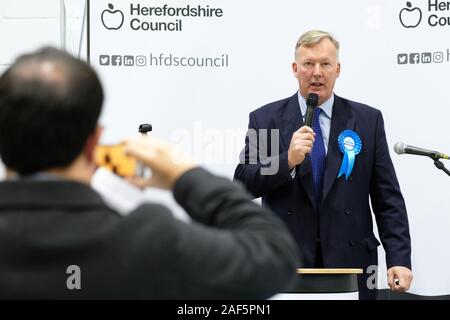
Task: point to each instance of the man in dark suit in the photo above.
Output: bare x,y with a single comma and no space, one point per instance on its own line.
58,239
324,177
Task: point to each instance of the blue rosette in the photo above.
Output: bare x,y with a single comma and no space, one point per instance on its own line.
350,145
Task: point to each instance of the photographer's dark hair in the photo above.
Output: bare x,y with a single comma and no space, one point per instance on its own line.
50,103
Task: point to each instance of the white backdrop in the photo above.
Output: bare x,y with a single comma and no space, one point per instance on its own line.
389,58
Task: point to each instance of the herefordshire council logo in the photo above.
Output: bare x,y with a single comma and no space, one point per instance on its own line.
112,19
410,17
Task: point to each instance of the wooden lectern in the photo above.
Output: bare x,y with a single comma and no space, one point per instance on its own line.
323,284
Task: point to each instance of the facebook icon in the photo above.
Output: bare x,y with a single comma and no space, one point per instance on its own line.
414,58
116,60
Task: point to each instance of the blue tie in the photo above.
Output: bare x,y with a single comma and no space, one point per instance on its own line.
318,157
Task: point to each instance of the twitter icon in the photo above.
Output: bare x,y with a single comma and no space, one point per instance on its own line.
402,58
104,60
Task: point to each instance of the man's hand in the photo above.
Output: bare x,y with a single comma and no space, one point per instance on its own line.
166,162
301,144
399,278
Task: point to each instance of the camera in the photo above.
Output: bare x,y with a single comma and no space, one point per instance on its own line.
113,157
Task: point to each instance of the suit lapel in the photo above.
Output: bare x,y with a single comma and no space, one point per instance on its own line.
342,119
291,121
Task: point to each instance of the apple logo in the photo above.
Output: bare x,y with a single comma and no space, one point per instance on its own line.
112,19
410,17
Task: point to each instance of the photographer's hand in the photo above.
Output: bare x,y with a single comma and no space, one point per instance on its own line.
165,160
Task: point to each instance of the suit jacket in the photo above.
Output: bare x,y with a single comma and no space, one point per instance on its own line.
344,214
233,248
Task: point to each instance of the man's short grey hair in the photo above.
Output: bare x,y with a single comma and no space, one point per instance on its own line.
313,37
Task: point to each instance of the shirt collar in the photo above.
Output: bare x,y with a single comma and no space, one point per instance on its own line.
45,194
327,106
38,176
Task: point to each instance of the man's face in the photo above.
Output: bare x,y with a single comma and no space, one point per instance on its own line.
317,69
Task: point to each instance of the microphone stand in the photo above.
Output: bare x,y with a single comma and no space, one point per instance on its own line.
441,166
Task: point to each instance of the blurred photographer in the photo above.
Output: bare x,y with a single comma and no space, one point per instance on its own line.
58,239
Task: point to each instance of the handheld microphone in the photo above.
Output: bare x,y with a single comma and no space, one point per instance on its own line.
144,128
401,148
311,104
